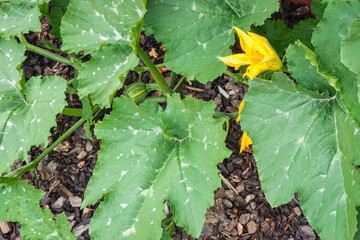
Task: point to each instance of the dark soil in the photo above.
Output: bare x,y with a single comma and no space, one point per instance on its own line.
240,209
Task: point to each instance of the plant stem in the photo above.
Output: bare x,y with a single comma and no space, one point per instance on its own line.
232,115
47,54
237,77
178,84
156,99
172,78
76,112
13,176
143,69
69,82
154,71
153,87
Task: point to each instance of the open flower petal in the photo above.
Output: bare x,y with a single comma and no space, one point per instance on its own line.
263,45
236,60
245,141
246,42
253,70
258,54
270,65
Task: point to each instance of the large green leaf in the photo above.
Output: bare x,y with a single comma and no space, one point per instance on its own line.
11,57
58,10
20,203
195,33
349,57
149,155
280,36
19,16
100,77
24,121
305,143
327,40
87,24
302,65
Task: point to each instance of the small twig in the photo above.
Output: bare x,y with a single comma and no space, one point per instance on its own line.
195,89
223,92
228,184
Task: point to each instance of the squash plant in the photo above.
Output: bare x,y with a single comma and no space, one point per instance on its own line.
305,135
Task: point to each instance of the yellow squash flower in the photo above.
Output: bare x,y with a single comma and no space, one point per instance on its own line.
245,141
259,55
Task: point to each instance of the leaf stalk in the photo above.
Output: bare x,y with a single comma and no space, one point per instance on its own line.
154,71
48,54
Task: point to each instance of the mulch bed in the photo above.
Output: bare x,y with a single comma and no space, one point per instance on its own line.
240,208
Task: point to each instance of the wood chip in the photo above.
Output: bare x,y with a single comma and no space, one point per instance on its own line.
153,53
89,146
244,218
240,228
66,191
81,164
251,226
81,155
249,198
297,211
240,188
75,201
228,184
59,203
223,92
5,227
62,147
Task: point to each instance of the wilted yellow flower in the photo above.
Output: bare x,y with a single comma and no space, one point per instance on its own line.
245,141
259,55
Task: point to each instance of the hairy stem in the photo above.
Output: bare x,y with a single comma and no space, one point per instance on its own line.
47,54
154,71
